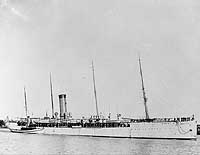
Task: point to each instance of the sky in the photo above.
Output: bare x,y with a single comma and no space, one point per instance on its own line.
64,36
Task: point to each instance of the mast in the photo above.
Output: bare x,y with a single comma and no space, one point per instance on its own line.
95,92
25,102
51,89
143,91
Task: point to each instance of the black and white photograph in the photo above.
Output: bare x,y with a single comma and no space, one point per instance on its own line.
99,77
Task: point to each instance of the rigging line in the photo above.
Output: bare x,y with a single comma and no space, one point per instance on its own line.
161,83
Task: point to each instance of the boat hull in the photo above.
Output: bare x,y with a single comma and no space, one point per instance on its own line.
150,130
34,131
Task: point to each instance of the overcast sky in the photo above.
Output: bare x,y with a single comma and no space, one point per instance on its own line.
64,36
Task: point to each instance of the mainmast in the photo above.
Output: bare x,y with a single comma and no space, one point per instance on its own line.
51,89
95,92
143,91
25,102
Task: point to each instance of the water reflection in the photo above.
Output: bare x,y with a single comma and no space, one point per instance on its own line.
11,143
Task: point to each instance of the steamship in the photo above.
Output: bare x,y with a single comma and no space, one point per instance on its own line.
99,126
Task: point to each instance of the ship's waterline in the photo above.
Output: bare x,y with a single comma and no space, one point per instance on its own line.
157,130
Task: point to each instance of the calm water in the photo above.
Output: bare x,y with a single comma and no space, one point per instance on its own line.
14,143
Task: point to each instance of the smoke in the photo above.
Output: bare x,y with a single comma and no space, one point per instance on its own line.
19,14
6,4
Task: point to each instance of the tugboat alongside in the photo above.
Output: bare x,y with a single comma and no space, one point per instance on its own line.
98,126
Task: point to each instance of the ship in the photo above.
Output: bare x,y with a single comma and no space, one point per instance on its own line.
121,127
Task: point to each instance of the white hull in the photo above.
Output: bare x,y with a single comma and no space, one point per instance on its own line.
33,131
163,130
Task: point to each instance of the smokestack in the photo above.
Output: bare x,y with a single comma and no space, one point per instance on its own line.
63,106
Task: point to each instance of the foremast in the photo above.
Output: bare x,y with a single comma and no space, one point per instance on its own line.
143,91
51,92
95,92
25,102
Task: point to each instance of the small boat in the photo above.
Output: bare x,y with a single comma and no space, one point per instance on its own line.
28,128
33,130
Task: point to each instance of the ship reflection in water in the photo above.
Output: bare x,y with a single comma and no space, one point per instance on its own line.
51,144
